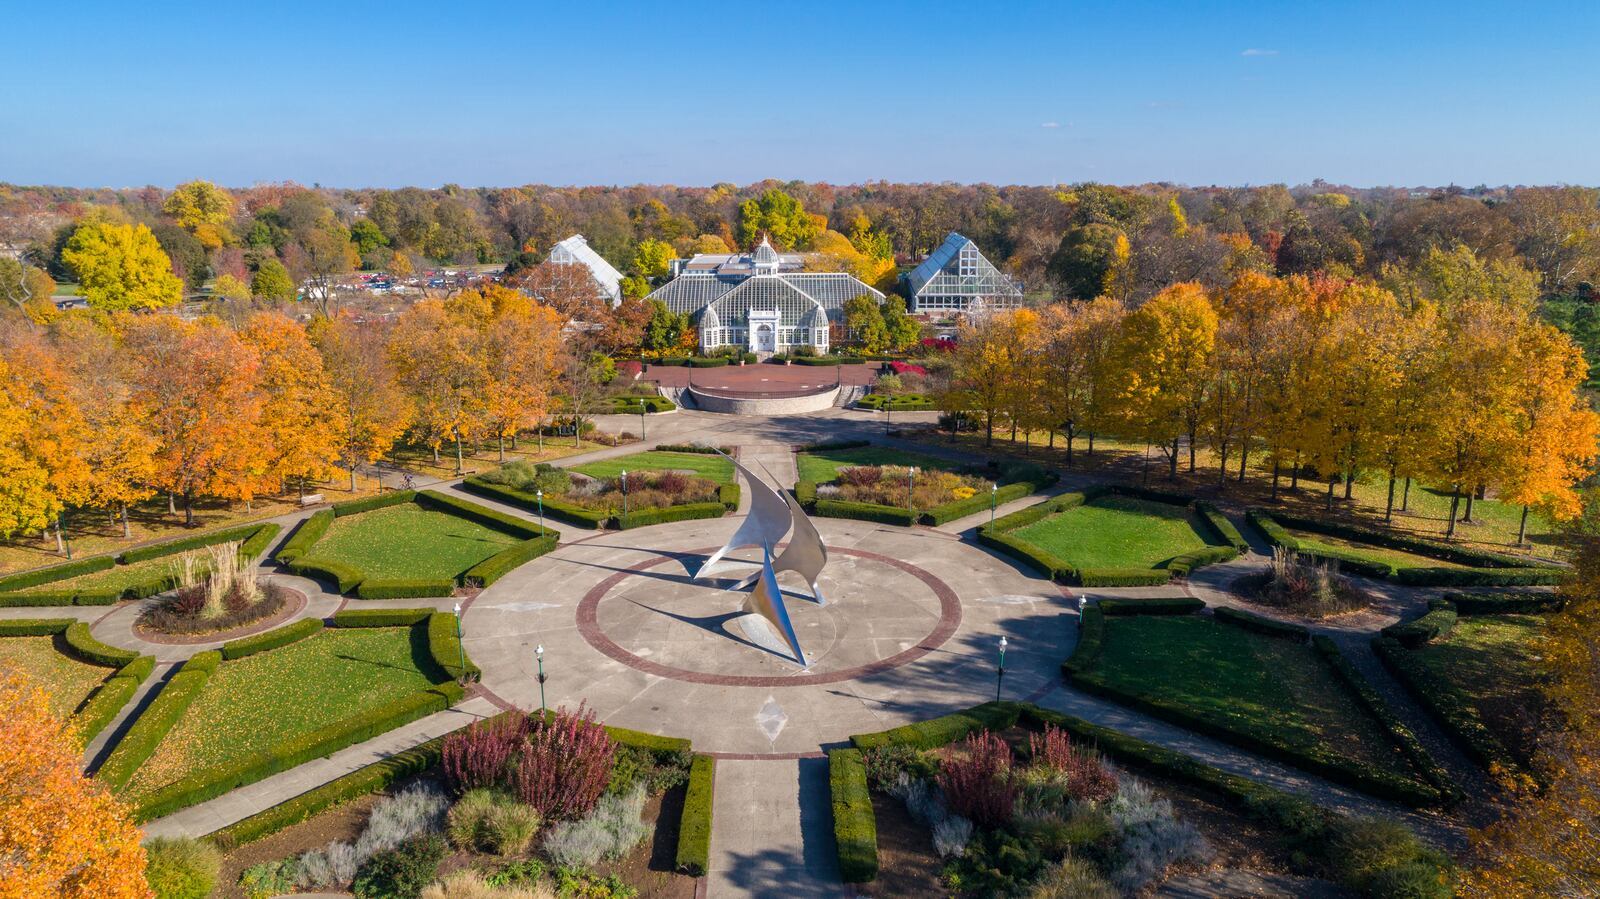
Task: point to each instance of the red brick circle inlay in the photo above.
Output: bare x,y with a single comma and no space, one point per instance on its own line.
949,621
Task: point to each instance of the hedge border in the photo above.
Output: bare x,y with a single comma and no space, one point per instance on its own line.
376,501
935,732
1505,603
244,534
1449,708
663,514
253,538
84,646
506,560
345,577
22,580
35,627
1402,736
553,508
108,699
152,726
1164,605
510,524
379,617
405,588
1091,637
306,534
1461,555
694,826
911,402
1261,624
1438,621
445,647
282,636
855,824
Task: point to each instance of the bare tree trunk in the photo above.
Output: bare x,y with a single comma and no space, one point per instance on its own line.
172,504
188,508
1191,452
502,448
1349,479
1388,507
1294,475
125,532
459,466
1244,458
1329,504
60,544
1222,468
1144,468
1276,466
1455,503
1468,517
1405,498
1172,461
352,478
1522,528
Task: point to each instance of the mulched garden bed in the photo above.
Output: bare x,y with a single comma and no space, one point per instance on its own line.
161,623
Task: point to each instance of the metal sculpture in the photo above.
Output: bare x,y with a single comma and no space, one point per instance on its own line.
766,600
805,554
766,524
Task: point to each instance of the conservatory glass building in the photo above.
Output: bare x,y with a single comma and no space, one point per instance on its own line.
958,277
761,301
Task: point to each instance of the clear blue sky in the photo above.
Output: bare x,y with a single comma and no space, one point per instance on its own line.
386,94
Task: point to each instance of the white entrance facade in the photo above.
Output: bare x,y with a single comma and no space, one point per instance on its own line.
763,331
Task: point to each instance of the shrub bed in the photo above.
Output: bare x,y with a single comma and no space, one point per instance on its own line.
308,533
855,826
1261,624
404,588
1431,770
148,730
282,636
82,644
109,698
994,716
365,725
694,828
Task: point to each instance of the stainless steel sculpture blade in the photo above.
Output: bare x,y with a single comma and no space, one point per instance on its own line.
765,526
766,600
805,554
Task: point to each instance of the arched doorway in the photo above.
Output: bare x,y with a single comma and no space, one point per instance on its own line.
766,339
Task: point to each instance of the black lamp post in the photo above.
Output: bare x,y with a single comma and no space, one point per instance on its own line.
624,492
460,650
994,498
539,495
911,490
1001,676
538,653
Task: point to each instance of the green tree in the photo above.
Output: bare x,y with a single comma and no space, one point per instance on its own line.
635,287
121,267
781,218
272,282
367,236
188,254
866,324
904,331
653,258
1090,260
665,328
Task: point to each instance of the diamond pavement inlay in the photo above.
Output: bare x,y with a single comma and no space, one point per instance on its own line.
771,719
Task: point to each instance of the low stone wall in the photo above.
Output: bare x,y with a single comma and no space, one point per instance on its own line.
751,405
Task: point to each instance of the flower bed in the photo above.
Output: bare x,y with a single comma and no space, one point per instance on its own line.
859,481
662,485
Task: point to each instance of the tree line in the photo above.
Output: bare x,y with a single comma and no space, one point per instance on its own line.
1442,373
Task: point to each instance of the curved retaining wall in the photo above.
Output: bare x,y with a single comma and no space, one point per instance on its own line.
773,405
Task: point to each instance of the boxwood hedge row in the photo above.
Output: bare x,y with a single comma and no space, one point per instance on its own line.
1091,636
694,828
35,627
444,644
376,501
855,826
498,565
525,499
83,645
1450,707
173,547
151,727
379,617
500,521
1165,605
837,508
404,588
109,698
345,577
282,636
935,732
310,530
1261,624
1438,621
37,576
662,514
1504,603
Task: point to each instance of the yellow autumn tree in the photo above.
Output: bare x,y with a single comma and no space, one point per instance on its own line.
121,266
54,431
521,349
370,412
1164,355
62,836
26,501
437,355
297,417
1553,429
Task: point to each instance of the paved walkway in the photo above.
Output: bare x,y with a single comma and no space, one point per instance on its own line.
773,830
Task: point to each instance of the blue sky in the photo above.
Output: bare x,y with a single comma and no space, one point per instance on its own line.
365,94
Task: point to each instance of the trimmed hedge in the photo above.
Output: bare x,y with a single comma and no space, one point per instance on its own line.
35,627
694,827
1448,705
653,743
981,502
1346,671
1505,603
151,727
498,565
1120,577
1438,621
1040,560
1091,637
1181,565
936,732
83,645
700,448
1481,577
109,698
379,617
662,514
523,499
257,543
837,508
805,493
831,445
26,579
1449,552
911,402
855,826
405,588
358,783
444,644
282,636
728,495
376,501
1173,605
815,360
1221,527
320,743
1261,624
39,598
173,547
345,576
510,524
305,536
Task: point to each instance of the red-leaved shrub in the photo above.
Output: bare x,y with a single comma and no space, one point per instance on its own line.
1089,779
482,754
1051,749
565,765
901,368
978,785
860,475
671,482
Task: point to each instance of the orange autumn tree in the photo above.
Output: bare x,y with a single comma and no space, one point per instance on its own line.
369,409
521,345
62,835
54,430
297,416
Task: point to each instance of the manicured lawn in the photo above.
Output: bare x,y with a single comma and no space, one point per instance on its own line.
260,701
1399,558
408,541
1115,532
822,467
1268,688
1490,659
1494,523
118,576
68,681
702,465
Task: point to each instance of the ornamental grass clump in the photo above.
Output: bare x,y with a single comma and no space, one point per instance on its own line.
565,764
482,755
978,784
217,589
608,831
1314,589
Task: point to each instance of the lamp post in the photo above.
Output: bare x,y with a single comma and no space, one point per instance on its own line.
460,650
994,498
641,421
538,653
911,490
1001,676
539,495
624,492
